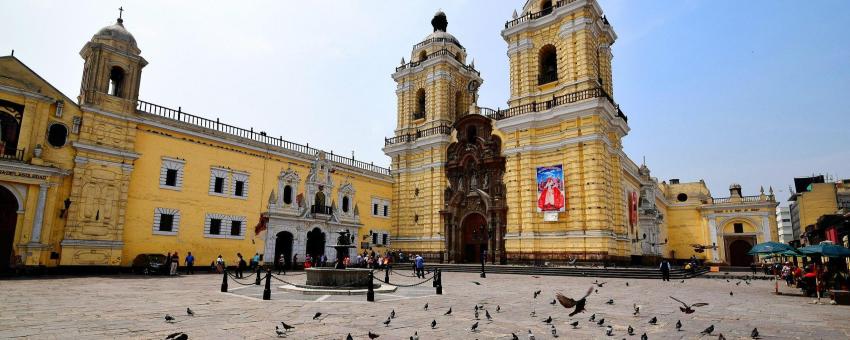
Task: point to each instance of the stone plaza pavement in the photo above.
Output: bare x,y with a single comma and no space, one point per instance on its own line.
109,307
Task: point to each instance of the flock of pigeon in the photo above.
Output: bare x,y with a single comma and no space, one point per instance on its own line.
577,306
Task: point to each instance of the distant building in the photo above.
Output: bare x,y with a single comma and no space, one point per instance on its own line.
783,224
813,204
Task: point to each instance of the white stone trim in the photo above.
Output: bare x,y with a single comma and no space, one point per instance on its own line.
226,223
175,223
383,204
556,145
570,27
105,150
219,173
169,163
434,165
519,46
243,177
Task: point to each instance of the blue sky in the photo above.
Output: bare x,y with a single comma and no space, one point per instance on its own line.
751,92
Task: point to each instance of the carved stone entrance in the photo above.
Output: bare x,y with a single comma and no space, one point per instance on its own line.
474,213
736,253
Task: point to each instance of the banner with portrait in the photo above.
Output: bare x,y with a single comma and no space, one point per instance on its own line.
550,189
633,204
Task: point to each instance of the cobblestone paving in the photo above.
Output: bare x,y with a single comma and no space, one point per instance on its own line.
111,307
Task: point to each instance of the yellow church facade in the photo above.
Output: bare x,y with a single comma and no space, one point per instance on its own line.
98,180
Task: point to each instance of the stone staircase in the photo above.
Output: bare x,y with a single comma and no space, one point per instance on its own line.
619,272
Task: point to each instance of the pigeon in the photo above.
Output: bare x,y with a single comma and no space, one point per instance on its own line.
536,293
678,325
169,318
373,335
554,332
514,337
637,309
392,314
599,284
601,322
653,321
415,336
627,283
609,302
285,326
474,327
476,313
476,307
721,337
190,312
548,320
687,308
727,281
426,306
592,317
644,337
349,337
498,308
535,276
683,281
573,261
569,303
317,315
433,323
738,283
574,324
279,332
708,330
553,302
487,315
631,330
609,330
731,294
755,333
449,312
597,291
476,283
177,336
747,282
387,322
530,335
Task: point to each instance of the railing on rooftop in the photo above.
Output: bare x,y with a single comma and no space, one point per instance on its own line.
745,199
438,40
410,137
439,53
12,155
262,137
568,98
536,15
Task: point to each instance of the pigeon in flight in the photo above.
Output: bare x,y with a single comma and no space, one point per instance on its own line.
631,330
599,284
279,332
574,324
317,315
609,330
387,322
755,333
708,330
687,309
570,303
548,320
653,321
536,293
169,318
373,335
474,327
177,336
433,323
476,283
683,281
190,312
286,327
449,312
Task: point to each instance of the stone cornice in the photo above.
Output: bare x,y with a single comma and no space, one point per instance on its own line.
105,150
39,170
28,94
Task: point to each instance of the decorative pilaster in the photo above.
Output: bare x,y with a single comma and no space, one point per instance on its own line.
39,213
712,229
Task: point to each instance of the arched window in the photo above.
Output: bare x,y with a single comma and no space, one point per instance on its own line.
548,65
9,129
422,55
320,199
546,7
345,204
458,104
287,194
57,135
116,81
420,105
471,133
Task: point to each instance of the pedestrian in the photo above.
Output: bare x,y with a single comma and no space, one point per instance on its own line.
167,264
294,263
255,261
753,268
175,260
281,262
324,260
420,266
665,270
219,264
240,267
190,263
308,261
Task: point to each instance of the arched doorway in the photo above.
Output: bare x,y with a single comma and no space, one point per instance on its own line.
315,243
8,219
737,256
283,246
475,237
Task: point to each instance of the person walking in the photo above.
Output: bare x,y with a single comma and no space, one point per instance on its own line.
219,264
294,263
420,266
175,260
665,270
167,264
190,263
281,263
255,261
240,267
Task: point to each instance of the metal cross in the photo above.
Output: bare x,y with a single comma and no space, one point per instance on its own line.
120,11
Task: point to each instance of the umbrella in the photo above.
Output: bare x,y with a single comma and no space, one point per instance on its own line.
770,248
828,250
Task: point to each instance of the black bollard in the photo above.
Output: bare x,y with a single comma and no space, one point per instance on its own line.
434,281
257,282
483,274
439,278
224,281
267,293
387,274
370,294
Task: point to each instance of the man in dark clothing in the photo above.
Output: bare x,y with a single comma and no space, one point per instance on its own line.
241,266
665,270
190,262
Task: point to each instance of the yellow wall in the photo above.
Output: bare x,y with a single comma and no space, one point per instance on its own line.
821,200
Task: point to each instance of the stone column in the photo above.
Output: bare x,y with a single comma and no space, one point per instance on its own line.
766,229
712,229
39,213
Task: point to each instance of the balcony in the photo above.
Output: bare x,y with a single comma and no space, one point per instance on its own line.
547,77
565,99
410,137
440,53
321,209
16,155
537,15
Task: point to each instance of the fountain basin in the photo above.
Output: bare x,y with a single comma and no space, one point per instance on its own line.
351,278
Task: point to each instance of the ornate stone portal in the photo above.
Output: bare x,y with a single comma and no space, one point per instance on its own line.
474,214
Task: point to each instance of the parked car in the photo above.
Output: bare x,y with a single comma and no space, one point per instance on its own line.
149,264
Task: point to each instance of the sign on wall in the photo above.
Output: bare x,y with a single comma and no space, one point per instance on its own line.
550,189
633,203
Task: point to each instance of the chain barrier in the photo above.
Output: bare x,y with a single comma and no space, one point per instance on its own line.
237,281
243,276
427,272
401,285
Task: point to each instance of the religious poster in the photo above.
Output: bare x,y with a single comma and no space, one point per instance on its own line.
633,202
550,189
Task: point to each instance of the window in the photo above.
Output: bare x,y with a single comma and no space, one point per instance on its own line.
287,194
374,208
219,185
471,134
739,228
375,238
237,190
57,135
171,173
116,81
380,207
419,113
548,65
546,7
166,221
215,226
384,239
235,228
386,210
345,204
682,197
458,104
422,55
240,185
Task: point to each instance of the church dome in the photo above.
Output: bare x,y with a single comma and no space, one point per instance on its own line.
116,31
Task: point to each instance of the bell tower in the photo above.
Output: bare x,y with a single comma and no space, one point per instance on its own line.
112,69
435,88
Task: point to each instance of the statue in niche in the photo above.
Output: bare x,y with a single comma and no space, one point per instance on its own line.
486,182
473,182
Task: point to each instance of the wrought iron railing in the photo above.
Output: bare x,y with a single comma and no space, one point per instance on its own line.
744,199
262,137
321,209
12,155
410,137
439,53
438,40
568,98
536,15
